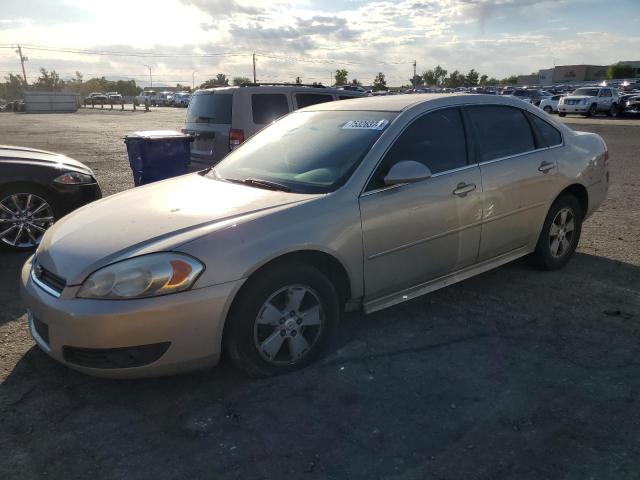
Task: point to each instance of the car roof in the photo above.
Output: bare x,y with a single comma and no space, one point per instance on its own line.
398,103
275,88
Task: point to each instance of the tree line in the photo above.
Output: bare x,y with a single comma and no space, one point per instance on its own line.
49,81
14,85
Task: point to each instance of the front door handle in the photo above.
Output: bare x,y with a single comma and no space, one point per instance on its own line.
546,166
463,188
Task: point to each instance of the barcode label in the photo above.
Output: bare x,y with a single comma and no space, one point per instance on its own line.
365,124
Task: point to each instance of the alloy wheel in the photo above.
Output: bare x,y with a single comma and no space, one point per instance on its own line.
561,232
288,325
24,218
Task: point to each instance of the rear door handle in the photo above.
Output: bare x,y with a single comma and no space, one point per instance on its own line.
546,166
463,188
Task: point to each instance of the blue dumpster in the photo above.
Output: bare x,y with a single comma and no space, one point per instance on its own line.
158,154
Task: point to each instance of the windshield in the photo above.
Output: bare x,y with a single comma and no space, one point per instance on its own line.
209,107
306,152
589,92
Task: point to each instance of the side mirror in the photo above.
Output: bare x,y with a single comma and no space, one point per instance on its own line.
407,171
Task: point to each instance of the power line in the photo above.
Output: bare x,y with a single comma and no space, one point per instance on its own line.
271,56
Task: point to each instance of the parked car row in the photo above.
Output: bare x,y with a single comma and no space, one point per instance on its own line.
589,101
163,99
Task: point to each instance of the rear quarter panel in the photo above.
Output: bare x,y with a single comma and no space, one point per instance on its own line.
584,163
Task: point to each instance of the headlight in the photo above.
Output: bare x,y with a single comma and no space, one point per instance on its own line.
144,276
74,178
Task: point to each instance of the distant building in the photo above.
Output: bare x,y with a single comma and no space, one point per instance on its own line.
545,77
528,79
635,65
579,73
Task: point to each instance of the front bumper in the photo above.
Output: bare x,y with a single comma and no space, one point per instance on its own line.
573,108
72,197
190,322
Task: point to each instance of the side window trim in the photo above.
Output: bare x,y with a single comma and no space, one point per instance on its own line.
468,147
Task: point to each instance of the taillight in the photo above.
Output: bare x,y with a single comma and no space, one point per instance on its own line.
236,137
606,151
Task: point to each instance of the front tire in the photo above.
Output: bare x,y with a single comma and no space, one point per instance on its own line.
548,109
26,212
592,110
562,114
281,321
560,234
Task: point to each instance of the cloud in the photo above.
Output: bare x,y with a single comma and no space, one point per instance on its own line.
310,38
43,11
223,8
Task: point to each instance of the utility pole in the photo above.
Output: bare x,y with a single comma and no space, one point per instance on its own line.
254,67
413,80
330,77
193,80
150,77
22,60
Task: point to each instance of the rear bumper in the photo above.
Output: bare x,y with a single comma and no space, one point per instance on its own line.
157,336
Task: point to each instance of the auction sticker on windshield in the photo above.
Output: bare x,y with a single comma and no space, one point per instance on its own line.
365,124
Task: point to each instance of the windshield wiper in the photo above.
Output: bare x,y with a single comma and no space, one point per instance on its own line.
268,184
254,182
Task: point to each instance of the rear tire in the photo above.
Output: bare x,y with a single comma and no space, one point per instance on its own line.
560,234
548,109
282,320
613,111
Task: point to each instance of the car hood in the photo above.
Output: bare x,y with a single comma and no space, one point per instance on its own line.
32,155
155,217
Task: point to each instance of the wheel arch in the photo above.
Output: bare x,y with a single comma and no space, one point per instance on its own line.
44,187
580,193
326,263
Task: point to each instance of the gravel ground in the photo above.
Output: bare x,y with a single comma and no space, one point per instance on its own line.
514,374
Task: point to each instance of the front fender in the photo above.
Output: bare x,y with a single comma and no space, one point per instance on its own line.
329,224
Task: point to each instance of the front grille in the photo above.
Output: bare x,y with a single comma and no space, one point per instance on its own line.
125,357
49,279
572,102
42,329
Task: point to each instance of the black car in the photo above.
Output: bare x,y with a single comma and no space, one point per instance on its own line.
36,189
629,105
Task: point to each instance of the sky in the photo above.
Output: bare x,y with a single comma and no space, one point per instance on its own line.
189,41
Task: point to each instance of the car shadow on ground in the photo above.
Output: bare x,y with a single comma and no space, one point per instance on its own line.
515,373
10,267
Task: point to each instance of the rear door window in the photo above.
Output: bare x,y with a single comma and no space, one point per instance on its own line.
501,131
210,108
308,99
267,107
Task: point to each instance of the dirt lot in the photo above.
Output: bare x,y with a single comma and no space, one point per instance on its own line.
515,374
